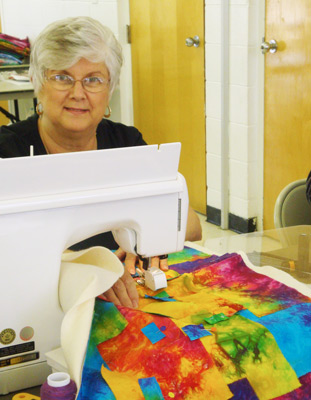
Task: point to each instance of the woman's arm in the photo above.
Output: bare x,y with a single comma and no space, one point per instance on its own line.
194,229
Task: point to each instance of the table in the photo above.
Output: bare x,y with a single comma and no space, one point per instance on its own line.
35,391
11,90
287,249
16,90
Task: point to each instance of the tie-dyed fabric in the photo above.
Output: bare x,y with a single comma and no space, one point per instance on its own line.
14,44
218,331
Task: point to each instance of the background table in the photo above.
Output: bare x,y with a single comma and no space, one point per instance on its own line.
16,90
11,90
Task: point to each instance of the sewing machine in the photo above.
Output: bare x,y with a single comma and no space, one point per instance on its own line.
49,203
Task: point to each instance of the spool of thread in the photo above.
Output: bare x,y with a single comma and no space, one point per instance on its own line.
58,386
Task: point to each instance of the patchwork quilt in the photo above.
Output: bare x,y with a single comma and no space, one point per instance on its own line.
219,331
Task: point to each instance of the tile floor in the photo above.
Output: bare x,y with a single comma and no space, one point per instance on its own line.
211,231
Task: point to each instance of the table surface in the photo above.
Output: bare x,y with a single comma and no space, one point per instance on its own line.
9,85
15,86
287,249
34,390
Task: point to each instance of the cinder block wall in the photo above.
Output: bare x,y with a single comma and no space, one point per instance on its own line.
245,112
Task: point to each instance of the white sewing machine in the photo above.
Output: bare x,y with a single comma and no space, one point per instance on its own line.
47,204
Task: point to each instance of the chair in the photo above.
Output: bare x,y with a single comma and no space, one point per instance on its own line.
292,207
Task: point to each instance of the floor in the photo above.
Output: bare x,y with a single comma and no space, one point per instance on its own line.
211,231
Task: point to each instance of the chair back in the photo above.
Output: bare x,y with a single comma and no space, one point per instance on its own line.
292,207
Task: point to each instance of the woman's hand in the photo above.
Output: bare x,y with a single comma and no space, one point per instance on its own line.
131,261
123,292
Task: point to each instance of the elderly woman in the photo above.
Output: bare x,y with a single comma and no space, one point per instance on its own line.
74,67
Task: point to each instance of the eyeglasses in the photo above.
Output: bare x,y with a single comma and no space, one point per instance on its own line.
91,84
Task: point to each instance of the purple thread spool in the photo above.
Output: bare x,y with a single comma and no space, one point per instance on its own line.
58,386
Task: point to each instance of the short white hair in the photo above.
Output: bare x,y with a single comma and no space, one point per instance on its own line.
63,43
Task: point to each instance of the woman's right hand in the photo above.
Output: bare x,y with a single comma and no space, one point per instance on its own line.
131,261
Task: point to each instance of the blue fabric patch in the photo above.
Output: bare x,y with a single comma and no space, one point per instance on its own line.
151,389
153,333
195,331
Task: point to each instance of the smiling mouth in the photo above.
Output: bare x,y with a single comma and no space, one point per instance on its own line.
76,110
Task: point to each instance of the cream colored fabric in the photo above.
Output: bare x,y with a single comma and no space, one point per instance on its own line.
84,275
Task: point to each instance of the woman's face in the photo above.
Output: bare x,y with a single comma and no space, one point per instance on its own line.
75,110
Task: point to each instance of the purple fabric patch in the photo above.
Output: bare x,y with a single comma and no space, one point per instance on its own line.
242,390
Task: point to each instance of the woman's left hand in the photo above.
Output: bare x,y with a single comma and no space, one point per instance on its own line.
123,292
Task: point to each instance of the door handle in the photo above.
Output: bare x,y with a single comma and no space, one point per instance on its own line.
195,41
271,46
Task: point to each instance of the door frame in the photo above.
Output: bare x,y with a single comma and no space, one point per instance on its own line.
126,82
261,112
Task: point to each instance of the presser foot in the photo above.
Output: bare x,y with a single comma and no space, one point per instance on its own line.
153,278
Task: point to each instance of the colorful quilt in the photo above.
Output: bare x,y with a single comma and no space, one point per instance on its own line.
218,331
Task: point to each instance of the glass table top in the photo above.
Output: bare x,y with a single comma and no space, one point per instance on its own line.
286,248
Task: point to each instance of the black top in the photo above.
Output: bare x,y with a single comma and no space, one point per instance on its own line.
16,139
